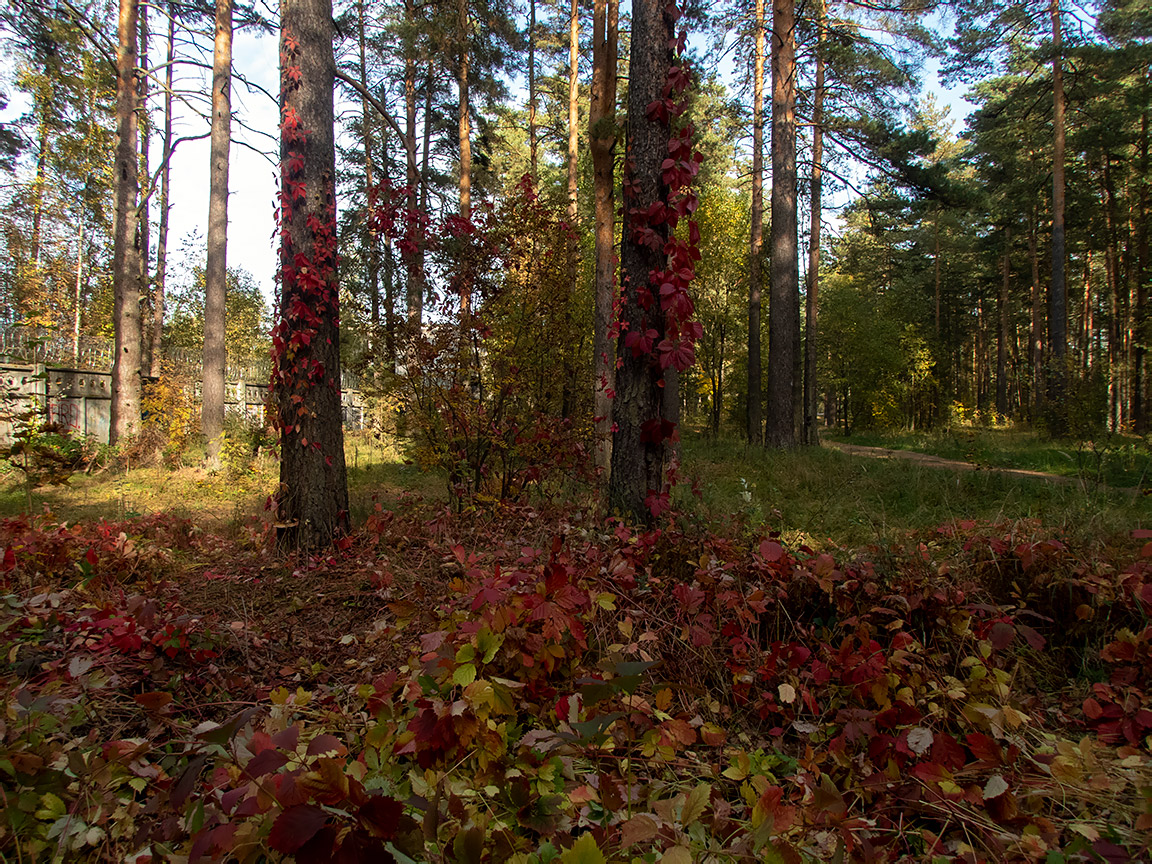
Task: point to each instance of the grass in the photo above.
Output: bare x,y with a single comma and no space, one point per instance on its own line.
1109,459
819,497
222,500
823,497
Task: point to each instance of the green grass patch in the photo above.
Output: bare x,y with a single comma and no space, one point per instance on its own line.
1110,459
823,497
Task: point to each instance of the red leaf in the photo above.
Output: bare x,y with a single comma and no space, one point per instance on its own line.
984,748
771,551
265,763
326,744
1092,709
287,739
948,752
1034,639
1002,635
381,816
295,827
153,701
9,560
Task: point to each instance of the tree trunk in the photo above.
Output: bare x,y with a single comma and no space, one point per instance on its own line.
638,446
145,222
936,263
216,270
1057,291
1086,315
602,140
1037,341
783,311
367,237
1139,323
462,21
1112,272
389,265
411,250
125,409
755,415
571,382
159,284
38,189
811,432
76,294
532,91
1002,340
573,129
312,504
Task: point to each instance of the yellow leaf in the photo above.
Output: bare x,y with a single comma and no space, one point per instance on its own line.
584,851
677,855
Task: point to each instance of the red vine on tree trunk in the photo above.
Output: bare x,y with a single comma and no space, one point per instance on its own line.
306,280
667,291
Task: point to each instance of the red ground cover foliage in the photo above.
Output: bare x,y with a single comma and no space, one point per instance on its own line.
525,685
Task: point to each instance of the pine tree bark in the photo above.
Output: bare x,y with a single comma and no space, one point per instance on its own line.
783,312
1057,291
754,409
411,250
639,451
145,221
1112,272
216,269
1002,341
1036,343
159,283
811,431
125,409
573,127
368,240
602,141
532,92
1139,313
312,504
463,23
38,189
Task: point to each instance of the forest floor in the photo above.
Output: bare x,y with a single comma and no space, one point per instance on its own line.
818,658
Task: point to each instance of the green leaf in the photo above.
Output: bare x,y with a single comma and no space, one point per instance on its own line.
488,643
464,675
584,851
51,808
634,667
465,654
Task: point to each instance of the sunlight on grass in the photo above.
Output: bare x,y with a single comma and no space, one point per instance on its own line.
824,497
1112,459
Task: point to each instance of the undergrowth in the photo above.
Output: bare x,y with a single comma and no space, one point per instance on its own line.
530,685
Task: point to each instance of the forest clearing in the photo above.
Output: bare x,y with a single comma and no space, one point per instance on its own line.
545,472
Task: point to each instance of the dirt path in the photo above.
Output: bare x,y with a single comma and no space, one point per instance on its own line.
938,462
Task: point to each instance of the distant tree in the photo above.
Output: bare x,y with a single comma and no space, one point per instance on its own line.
246,319
215,273
755,407
125,416
602,142
784,310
